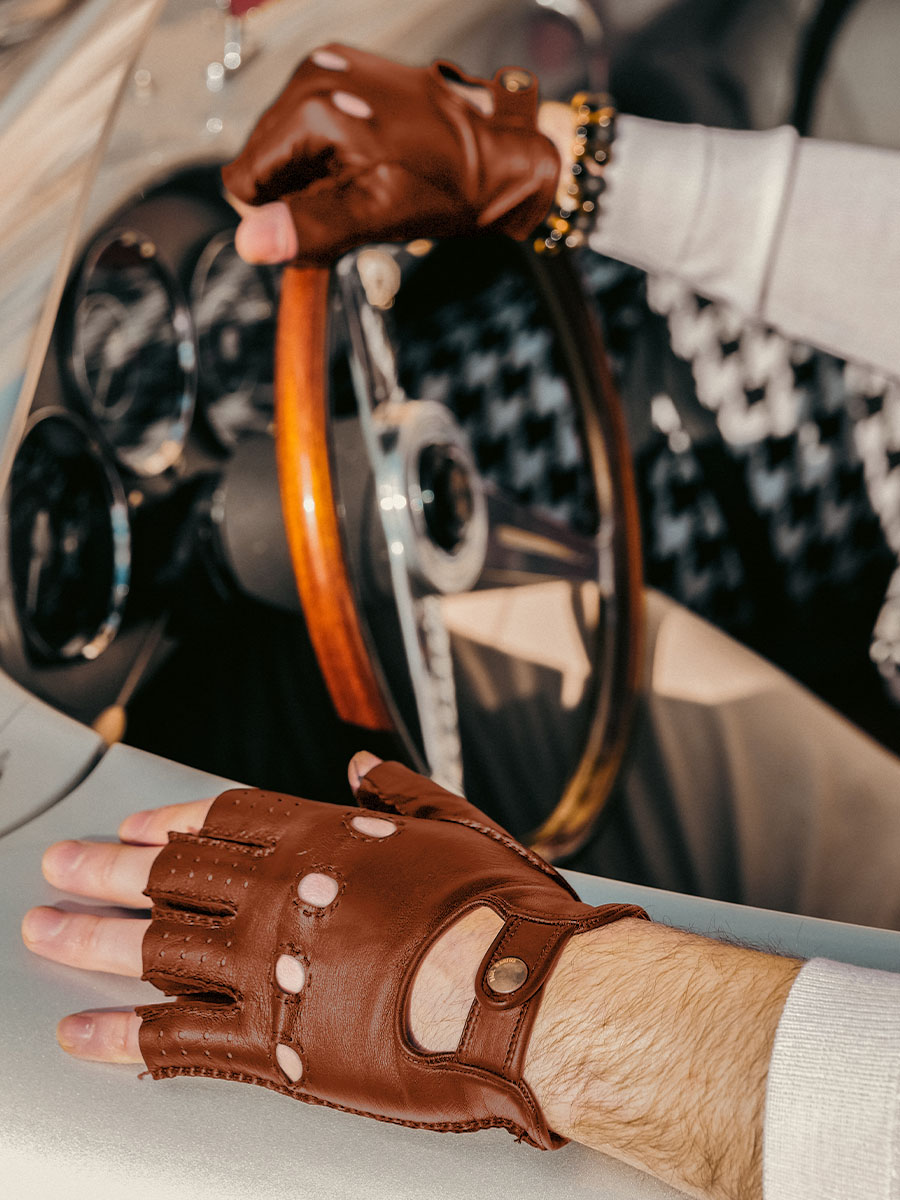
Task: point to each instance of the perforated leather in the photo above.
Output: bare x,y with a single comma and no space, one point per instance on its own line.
426,163
226,909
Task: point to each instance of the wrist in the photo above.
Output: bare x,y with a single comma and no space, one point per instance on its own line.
653,1045
582,134
555,122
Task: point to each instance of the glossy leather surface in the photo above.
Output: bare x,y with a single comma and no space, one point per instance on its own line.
349,179
229,903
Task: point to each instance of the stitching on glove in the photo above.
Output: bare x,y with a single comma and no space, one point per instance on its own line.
514,1038
507,841
317,910
295,951
255,846
493,1079
175,902
293,1044
194,984
471,1020
193,920
286,1090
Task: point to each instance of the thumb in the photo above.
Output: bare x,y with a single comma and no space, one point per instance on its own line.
360,764
266,234
392,787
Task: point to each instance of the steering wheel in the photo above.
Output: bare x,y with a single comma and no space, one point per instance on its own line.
462,521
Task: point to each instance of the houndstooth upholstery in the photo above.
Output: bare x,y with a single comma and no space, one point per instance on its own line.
787,535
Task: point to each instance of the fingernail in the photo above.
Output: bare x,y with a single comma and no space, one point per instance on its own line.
134,827
42,925
63,859
73,1032
267,235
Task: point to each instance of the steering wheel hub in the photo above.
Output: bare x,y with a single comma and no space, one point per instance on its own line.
431,495
446,492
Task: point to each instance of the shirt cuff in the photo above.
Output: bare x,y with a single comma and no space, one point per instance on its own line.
832,1125
702,204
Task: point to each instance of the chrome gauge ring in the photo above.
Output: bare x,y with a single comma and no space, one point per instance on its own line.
69,540
430,495
234,310
131,352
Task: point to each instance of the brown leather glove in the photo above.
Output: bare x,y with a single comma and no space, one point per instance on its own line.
426,163
313,1001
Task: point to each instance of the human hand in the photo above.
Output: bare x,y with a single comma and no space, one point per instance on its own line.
443,987
361,149
118,873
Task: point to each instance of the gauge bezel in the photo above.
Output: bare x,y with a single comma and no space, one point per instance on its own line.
120,537
171,446
207,366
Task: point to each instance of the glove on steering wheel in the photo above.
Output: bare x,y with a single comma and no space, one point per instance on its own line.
424,163
312,999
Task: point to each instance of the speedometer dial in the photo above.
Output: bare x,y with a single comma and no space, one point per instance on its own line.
233,304
132,352
69,541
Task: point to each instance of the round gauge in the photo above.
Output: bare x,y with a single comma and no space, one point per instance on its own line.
69,542
233,305
132,352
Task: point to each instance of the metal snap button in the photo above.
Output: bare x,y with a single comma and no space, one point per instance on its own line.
506,975
516,79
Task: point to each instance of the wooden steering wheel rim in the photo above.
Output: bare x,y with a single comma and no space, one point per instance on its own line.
308,500
309,503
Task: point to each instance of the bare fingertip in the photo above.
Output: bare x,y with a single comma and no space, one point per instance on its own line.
134,827
267,235
41,925
360,765
61,860
73,1033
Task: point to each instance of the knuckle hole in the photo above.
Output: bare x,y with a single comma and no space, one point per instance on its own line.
289,1061
290,973
317,889
353,106
330,61
377,827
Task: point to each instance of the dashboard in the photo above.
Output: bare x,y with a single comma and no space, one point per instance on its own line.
146,389
135,377
160,365
146,550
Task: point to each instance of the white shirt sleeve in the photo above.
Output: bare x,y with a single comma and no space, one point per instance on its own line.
832,1124
800,234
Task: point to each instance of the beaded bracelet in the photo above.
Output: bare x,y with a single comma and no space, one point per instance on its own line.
595,130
